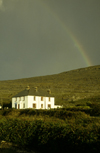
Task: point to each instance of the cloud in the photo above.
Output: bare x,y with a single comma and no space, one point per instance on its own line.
1,2
1,5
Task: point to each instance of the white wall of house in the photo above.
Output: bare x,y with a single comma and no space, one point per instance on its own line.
37,102
20,102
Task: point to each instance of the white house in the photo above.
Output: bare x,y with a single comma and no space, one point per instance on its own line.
34,98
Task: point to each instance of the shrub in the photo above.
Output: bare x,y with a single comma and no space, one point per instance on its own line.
52,136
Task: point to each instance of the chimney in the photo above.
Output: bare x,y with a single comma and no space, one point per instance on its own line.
36,89
49,91
28,88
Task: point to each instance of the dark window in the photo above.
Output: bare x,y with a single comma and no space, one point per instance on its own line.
34,105
41,98
23,105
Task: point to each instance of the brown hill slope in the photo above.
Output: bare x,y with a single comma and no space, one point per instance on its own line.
67,86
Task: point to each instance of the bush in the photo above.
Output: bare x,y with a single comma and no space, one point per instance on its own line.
52,136
95,111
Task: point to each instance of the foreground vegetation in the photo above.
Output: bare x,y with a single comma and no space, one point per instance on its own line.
60,130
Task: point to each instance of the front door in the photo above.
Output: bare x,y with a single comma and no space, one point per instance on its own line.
18,106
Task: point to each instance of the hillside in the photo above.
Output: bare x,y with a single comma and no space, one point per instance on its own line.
68,86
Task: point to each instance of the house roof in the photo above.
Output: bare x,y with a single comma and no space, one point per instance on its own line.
34,92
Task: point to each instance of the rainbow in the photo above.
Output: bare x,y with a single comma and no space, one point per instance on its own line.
80,48
71,35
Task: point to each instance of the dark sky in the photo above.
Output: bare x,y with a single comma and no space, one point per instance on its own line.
42,37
